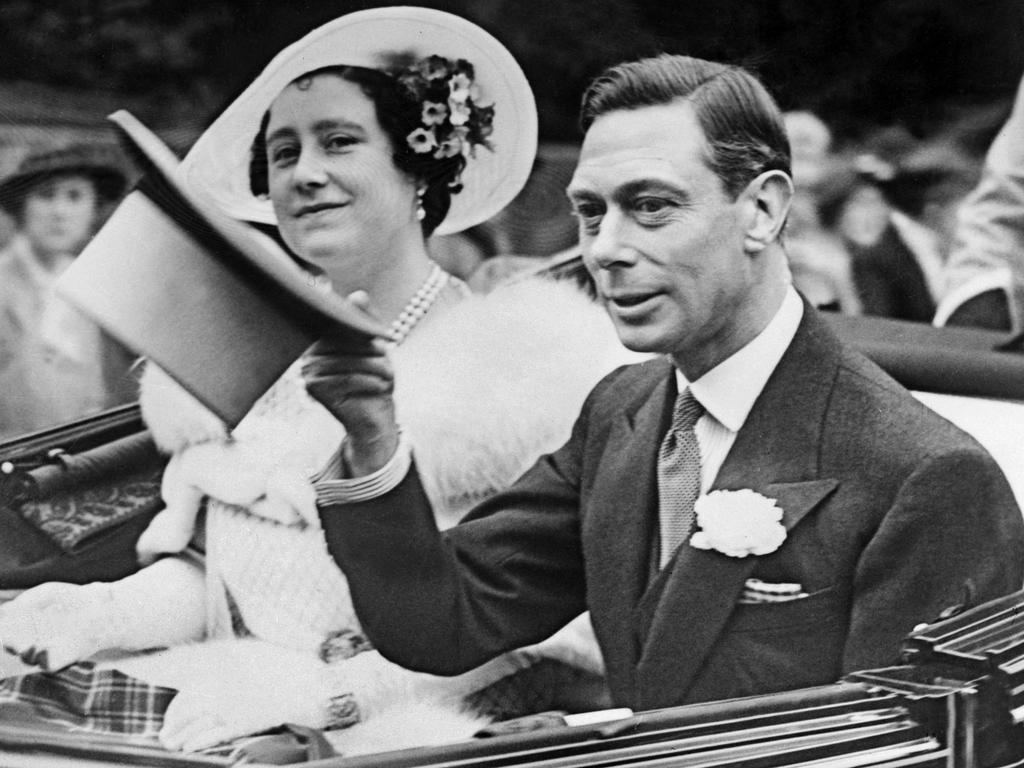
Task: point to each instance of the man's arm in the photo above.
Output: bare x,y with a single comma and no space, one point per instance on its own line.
953,537
510,575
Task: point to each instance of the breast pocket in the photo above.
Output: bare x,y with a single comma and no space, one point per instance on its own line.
772,647
824,607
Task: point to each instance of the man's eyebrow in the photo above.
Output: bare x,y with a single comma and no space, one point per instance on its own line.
630,189
650,184
580,194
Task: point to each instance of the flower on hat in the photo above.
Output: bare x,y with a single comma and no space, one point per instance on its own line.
434,113
466,147
738,523
461,88
450,147
422,140
434,67
452,123
460,112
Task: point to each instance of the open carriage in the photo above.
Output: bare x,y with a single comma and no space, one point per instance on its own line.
75,497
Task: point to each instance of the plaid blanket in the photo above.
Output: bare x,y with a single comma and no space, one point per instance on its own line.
83,697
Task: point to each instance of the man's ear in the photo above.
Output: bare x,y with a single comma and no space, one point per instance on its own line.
768,197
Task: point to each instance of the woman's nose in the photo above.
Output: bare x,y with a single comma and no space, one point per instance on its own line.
309,171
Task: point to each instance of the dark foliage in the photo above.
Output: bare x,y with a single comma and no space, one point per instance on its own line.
857,62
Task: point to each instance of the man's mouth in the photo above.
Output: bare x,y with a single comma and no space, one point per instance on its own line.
629,300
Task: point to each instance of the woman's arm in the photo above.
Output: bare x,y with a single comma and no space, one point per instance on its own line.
55,624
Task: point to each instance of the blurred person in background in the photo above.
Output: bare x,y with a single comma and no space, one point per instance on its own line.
818,259
55,364
983,279
895,260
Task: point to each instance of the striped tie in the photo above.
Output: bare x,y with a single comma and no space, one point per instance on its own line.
678,476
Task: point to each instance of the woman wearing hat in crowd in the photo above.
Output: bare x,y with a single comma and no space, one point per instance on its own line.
54,363
356,152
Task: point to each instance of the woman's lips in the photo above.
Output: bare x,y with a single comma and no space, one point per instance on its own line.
312,210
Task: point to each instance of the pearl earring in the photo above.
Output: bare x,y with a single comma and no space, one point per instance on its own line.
421,212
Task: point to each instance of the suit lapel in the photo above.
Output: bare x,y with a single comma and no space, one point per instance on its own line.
619,526
775,454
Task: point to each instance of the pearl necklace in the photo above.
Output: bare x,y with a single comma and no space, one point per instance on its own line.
418,306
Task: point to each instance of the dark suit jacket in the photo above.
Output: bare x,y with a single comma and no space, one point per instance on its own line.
893,515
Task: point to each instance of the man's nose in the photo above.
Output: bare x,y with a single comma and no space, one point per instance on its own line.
608,247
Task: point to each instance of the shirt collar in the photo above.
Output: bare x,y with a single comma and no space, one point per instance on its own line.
728,390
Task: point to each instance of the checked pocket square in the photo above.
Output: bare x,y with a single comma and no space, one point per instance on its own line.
756,592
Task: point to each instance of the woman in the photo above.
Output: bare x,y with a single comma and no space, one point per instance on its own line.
360,153
55,365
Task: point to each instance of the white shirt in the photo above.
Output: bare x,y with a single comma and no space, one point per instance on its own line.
728,391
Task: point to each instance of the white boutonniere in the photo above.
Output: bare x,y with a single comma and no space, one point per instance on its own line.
738,523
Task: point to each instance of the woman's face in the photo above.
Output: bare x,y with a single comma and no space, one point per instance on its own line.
60,213
339,199
864,216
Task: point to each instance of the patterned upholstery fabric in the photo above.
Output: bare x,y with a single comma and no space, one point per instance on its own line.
80,495
69,518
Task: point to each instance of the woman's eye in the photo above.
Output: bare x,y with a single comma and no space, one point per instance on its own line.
338,143
283,154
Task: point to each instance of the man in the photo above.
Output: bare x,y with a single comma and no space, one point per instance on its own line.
52,359
889,515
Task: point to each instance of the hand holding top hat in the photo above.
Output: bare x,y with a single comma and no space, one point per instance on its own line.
215,303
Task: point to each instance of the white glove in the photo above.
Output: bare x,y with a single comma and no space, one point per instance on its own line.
56,624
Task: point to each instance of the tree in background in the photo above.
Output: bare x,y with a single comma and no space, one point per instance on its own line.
856,62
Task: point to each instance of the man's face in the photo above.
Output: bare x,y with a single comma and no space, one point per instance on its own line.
60,214
660,234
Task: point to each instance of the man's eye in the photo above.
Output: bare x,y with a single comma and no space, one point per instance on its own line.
653,211
589,216
650,205
587,210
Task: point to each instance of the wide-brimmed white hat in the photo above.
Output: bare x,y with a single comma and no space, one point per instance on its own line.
217,166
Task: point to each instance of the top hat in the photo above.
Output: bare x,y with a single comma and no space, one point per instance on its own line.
215,303
218,163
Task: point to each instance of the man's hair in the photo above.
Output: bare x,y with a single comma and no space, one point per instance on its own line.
742,124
